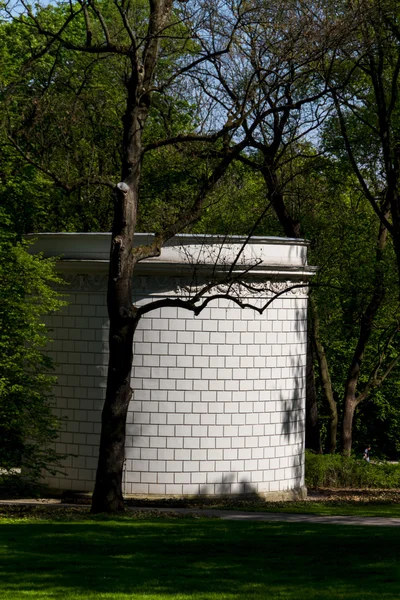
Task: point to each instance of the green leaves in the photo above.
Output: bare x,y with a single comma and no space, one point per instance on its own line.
27,425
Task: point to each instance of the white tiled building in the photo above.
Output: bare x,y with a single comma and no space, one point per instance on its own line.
219,398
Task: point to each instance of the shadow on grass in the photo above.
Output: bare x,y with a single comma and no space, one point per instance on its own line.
196,559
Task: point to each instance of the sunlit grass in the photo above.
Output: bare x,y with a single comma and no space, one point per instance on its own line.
74,557
335,508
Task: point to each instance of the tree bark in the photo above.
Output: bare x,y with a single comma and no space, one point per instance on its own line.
290,226
325,378
347,424
107,496
313,438
367,320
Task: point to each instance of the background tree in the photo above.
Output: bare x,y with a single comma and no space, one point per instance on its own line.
367,106
343,230
354,292
364,91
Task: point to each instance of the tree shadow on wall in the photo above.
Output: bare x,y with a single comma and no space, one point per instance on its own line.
229,485
293,422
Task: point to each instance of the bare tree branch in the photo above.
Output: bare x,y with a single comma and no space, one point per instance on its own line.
354,164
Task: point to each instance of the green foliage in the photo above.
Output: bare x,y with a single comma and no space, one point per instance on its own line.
343,230
238,206
61,127
337,471
377,421
61,114
27,426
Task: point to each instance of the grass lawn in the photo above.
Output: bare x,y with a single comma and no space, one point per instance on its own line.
73,557
356,509
352,508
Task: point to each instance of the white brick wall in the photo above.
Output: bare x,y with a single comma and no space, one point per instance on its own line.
218,403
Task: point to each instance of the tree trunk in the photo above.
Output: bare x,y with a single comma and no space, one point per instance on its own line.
288,224
325,378
313,438
347,425
394,201
367,321
107,496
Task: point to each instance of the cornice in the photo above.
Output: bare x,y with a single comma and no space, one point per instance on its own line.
167,286
180,252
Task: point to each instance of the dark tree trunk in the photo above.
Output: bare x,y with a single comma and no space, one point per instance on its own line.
107,496
347,425
386,99
290,226
313,438
367,320
325,379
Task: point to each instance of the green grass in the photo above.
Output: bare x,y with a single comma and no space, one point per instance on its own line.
337,508
77,558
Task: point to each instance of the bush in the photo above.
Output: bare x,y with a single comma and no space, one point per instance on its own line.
337,471
27,425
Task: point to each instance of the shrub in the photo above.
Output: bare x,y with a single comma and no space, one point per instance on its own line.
27,425
337,471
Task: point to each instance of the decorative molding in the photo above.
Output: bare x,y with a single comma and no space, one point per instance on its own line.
157,284
84,283
184,287
276,287
251,289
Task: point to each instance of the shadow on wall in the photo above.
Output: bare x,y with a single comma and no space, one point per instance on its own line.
229,486
293,409
293,422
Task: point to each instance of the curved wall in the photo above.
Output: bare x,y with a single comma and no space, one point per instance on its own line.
219,399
